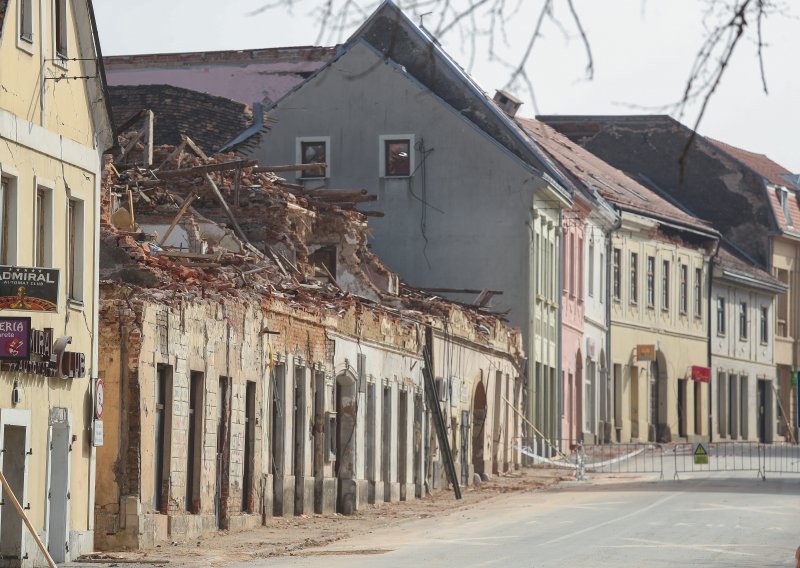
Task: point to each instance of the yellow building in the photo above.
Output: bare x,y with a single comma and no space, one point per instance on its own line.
659,324
54,127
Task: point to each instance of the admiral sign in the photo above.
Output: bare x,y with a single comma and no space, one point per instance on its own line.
30,289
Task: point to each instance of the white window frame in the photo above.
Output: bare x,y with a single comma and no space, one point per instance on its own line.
763,328
25,42
12,180
743,322
299,155
721,303
382,139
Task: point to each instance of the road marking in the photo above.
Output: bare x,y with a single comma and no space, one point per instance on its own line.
718,548
717,507
612,521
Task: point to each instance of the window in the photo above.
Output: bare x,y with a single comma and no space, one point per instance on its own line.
396,155
783,197
684,297
698,292
590,282
314,150
571,267
60,27
651,281
580,269
26,20
782,315
602,276
721,315
44,228
616,274
6,214
742,320
764,324
75,250
634,278
665,285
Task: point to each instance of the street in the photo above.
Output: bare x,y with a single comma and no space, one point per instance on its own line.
702,520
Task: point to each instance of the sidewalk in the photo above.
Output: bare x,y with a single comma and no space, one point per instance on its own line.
289,536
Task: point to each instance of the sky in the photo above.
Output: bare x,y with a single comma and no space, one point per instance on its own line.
643,51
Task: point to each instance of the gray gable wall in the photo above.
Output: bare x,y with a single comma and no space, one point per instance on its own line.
460,220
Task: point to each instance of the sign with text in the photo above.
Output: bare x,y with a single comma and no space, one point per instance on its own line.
32,289
15,336
646,353
701,374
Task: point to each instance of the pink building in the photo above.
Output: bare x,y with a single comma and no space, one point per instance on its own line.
247,76
572,319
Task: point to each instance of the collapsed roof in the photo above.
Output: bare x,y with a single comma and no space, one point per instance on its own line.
221,227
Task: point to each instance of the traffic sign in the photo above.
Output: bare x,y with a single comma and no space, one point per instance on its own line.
99,398
700,454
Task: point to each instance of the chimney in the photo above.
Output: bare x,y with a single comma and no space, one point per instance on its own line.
509,103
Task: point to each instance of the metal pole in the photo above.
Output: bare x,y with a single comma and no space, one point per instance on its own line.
27,522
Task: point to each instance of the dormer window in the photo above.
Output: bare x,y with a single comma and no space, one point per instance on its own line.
783,199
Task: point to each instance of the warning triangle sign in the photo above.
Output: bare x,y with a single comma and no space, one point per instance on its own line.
700,450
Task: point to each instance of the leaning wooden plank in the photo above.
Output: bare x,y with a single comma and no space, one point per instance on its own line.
27,521
228,212
185,207
149,122
194,147
200,170
130,146
322,193
372,213
290,168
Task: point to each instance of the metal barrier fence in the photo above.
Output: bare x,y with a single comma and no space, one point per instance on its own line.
661,459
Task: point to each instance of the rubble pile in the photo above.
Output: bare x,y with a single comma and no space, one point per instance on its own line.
219,227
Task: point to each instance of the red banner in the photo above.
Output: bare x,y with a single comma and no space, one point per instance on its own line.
702,374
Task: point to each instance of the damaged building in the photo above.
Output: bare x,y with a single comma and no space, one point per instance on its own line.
260,360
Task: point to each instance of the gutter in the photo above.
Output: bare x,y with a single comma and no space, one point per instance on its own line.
607,293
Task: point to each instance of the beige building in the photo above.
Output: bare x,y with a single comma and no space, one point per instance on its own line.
54,127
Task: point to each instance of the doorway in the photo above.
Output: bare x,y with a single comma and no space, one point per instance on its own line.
682,417
464,447
761,406
222,402
402,442
14,460
346,444
478,428
299,433
634,402
58,492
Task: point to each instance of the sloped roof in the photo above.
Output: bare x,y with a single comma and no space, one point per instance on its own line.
730,259
760,163
611,183
710,182
210,121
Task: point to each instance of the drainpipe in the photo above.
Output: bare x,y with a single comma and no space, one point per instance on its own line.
607,293
710,312
559,333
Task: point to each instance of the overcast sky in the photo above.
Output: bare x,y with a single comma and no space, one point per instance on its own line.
643,50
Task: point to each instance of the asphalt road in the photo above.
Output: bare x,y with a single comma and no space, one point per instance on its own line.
704,520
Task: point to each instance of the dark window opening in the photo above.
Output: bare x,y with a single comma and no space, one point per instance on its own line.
397,155
314,153
60,15
324,262
249,440
194,447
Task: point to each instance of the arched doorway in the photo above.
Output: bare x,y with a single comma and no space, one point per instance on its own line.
345,470
478,428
